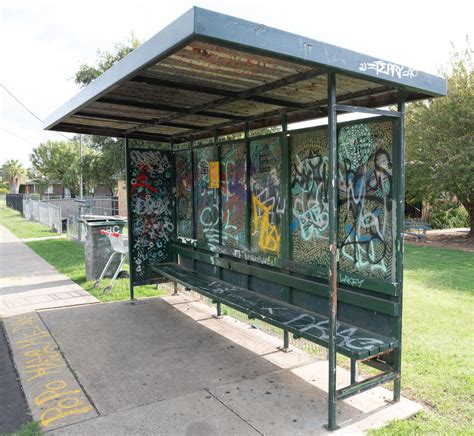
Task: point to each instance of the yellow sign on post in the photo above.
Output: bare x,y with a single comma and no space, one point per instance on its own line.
214,174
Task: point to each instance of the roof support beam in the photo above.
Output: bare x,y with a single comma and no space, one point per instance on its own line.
134,120
182,111
317,106
154,81
358,109
242,95
108,131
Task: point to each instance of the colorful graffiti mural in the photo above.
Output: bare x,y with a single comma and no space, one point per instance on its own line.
365,199
234,195
207,199
268,205
184,194
309,177
150,206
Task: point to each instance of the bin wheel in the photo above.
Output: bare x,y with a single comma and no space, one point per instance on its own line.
107,289
123,275
96,284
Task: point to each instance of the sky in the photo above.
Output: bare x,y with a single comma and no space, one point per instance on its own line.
45,41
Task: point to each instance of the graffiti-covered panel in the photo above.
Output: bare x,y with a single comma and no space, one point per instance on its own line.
184,194
268,205
310,217
234,195
150,209
365,199
207,199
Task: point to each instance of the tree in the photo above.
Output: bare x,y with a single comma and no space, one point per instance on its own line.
14,172
107,164
440,139
58,162
87,72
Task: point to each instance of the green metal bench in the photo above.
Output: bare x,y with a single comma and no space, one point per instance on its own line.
353,342
416,228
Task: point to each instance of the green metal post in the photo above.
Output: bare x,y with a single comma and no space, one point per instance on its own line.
248,224
354,371
129,222
193,194
286,195
332,270
174,214
286,219
218,269
193,198
286,170
400,201
217,155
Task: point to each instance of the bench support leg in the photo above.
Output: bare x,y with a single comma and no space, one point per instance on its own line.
286,342
175,288
218,310
396,382
396,390
354,371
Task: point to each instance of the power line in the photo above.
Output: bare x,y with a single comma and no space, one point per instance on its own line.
20,103
28,110
18,136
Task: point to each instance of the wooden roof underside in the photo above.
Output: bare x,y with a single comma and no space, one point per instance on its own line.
203,87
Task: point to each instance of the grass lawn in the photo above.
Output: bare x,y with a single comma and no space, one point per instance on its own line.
13,221
68,258
438,339
31,428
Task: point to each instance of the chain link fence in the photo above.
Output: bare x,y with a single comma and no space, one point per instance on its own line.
44,213
64,213
91,207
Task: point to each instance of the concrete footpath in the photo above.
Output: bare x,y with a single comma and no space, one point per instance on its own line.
29,283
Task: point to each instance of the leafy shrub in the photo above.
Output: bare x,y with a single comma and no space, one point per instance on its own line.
4,191
446,215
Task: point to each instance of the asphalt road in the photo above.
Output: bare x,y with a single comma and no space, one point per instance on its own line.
13,408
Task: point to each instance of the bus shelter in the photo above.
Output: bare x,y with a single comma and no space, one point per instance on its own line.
299,227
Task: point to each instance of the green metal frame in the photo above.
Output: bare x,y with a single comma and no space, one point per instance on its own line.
129,218
380,296
333,251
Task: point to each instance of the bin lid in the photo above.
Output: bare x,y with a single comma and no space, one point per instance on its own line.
93,221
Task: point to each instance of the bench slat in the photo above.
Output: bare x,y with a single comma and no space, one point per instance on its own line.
388,307
352,341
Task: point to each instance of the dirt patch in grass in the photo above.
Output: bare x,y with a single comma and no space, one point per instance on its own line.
446,238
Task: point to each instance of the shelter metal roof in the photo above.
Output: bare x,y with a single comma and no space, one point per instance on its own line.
208,71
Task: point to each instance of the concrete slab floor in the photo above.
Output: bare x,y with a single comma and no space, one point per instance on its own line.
196,414
143,365
128,356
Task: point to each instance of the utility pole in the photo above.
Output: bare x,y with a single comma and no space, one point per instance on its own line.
80,163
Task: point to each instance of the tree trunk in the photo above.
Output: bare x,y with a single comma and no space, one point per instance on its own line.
14,188
470,210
